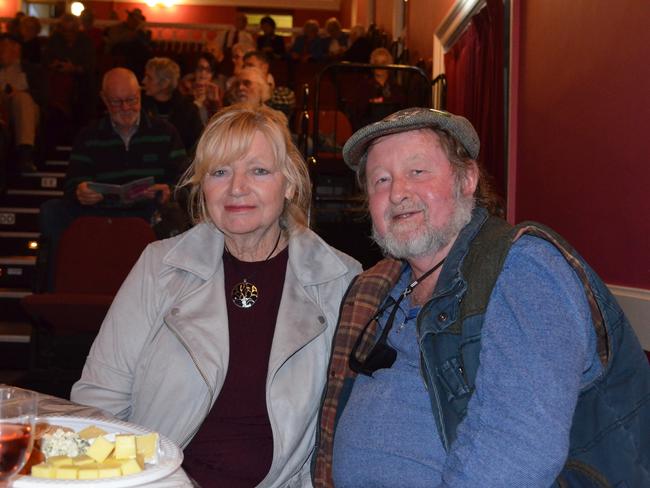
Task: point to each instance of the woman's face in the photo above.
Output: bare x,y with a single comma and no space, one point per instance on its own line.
203,71
245,197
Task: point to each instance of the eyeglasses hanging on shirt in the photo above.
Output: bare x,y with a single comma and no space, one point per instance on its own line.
382,356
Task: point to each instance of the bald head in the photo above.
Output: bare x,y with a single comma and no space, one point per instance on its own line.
121,95
117,77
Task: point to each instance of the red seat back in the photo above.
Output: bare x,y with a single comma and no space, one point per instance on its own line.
96,253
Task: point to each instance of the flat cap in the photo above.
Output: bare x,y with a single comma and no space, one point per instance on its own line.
411,119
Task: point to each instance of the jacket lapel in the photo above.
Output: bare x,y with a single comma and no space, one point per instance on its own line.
301,318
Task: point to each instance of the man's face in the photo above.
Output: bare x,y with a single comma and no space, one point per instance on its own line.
255,62
417,204
122,99
249,88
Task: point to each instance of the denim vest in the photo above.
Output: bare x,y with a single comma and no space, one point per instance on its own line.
610,433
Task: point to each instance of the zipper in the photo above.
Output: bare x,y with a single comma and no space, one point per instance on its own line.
207,383
327,374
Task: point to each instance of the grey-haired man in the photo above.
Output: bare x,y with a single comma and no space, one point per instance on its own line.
476,353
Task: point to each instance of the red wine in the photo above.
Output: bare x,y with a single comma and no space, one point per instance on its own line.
15,447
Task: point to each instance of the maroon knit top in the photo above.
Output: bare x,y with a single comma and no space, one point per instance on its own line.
234,446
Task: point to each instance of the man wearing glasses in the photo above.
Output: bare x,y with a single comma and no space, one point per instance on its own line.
124,145
476,354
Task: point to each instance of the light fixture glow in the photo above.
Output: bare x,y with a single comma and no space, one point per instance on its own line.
76,8
32,245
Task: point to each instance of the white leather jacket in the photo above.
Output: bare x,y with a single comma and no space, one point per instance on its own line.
161,356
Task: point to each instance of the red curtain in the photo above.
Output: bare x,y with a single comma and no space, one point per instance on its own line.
474,68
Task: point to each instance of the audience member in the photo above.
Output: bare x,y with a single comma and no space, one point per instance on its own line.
69,56
237,61
226,41
206,86
250,86
336,40
477,354
30,28
378,95
23,93
122,146
163,100
130,40
237,34
309,46
282,97
220,337
269,42
95,34
360,46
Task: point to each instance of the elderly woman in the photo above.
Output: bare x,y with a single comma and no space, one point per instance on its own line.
162,99
220,337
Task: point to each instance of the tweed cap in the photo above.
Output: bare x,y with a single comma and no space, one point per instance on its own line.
411,119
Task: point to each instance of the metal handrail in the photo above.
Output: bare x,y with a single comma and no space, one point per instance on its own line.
346,66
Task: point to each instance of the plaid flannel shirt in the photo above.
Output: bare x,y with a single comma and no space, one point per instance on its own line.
361,302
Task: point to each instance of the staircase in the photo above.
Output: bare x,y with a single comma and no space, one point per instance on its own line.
19,233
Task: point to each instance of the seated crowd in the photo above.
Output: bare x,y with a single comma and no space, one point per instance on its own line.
50,85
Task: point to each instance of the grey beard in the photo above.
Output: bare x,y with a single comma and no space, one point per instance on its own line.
431,239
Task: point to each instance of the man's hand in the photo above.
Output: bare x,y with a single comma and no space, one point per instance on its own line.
165,192
86,196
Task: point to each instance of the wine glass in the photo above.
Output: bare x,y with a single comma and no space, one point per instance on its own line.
17,420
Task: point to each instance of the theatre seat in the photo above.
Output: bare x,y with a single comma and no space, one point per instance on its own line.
95,254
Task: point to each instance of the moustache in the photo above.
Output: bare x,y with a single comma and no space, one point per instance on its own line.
398,210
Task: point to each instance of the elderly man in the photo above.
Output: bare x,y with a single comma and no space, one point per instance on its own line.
561,393
22,94
162,99
282,97
250,86
123,146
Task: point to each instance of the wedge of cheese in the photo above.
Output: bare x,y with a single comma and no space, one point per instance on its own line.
43,470
100,449
124,446
59,460
91,432
147,447
67,472
132,466
109,469
88,472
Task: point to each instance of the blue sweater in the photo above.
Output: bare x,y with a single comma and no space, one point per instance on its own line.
519,418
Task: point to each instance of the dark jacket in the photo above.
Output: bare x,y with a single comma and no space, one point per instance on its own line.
182,113
99,154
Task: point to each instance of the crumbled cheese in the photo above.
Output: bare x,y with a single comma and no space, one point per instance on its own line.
63,443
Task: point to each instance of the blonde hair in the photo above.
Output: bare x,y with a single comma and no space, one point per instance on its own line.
228,137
